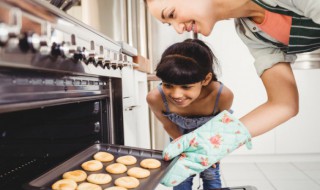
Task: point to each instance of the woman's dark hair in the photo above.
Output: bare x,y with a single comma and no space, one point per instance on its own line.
186,62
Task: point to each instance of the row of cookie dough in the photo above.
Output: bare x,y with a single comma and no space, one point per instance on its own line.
102,178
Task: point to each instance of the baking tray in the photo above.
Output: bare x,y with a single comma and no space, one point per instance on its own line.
45,181
238,188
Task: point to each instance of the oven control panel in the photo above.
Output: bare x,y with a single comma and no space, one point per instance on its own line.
36,35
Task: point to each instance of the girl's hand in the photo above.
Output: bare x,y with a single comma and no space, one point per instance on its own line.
214,165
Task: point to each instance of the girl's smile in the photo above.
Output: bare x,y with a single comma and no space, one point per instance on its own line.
178,101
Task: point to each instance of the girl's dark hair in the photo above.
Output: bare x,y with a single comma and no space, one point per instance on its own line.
186,62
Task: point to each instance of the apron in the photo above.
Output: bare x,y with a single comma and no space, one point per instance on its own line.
304,33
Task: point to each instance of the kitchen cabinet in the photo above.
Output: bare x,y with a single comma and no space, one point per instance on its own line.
136,113
128,87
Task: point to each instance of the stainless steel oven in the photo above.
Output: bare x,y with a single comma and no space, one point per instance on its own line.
60,90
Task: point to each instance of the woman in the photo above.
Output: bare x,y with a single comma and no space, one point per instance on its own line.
272,47
257,23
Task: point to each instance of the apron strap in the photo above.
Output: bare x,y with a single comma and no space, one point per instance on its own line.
276,9
304,33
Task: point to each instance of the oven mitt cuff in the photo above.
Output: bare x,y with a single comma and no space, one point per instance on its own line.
205,146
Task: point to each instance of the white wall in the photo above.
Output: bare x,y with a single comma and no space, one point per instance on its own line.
301,134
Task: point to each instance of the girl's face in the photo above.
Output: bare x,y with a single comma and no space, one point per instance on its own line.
185,15
182,95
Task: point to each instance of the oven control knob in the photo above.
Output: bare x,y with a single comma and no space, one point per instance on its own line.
72,48
125,60
91,59
4,34
67,50
99,62
56,50
23,43
7,32
61,50
120,61
107,63
114,61
85,54
29,41
107,60
44,48
92,55
100,57
78,55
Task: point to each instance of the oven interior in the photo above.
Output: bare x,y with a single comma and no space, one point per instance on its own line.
33,141
44,123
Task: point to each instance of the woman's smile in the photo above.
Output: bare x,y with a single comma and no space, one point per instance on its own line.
185,15
192,27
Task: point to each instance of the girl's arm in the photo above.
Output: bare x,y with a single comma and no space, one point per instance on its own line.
156,105
171,128
282,103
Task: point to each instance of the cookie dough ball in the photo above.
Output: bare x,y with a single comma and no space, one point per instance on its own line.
75,175
64,184
127,160
138,172
150,163
88,186
103,156
99,178
92,165
127,182
116,168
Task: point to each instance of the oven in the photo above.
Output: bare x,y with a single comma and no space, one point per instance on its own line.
60,90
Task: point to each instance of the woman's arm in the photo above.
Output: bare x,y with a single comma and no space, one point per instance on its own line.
282,103
155,103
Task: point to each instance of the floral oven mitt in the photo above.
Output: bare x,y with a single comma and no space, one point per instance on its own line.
204,147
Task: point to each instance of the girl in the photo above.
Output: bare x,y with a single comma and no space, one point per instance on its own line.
189,96
257,23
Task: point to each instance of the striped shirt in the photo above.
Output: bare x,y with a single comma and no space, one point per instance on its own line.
304,34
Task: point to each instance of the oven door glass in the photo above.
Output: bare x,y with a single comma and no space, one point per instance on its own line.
35,140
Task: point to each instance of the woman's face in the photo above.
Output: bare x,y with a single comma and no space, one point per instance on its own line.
185,15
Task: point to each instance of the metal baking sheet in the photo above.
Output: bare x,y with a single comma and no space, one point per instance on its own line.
45,181
238,188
